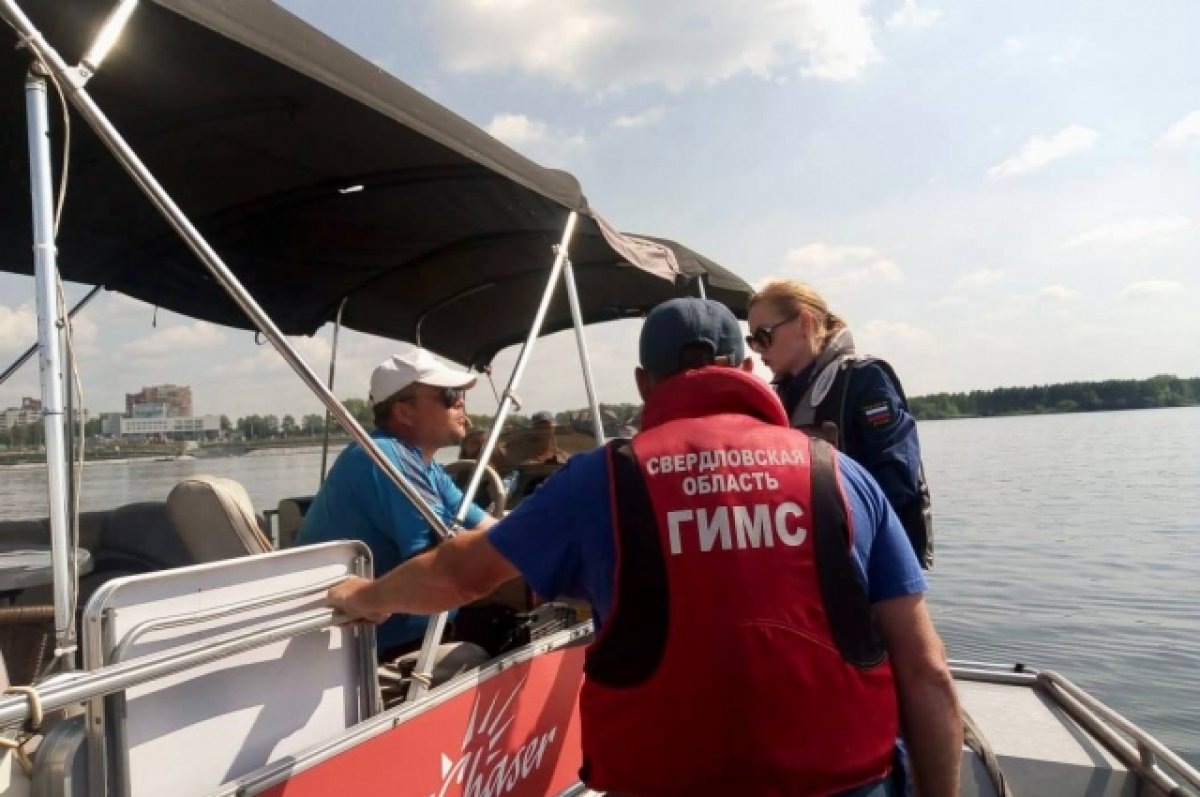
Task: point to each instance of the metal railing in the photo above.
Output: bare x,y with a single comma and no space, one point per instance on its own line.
204,615
74,689
1144,755
1139,751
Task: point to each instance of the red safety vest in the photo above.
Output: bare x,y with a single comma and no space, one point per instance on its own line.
740,656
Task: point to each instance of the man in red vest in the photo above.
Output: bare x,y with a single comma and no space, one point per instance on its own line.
761,628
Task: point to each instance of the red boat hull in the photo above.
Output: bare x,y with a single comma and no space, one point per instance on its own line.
516,733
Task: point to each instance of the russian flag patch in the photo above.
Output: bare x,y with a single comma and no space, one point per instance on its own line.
878,413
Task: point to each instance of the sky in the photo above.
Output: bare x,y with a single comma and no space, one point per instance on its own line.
997,193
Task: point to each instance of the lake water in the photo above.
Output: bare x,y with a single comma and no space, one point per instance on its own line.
1068,542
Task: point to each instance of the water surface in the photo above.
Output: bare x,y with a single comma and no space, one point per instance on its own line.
1069,542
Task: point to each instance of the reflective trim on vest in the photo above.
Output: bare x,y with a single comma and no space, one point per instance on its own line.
717,668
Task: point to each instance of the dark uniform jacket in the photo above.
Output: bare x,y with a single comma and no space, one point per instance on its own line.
858,403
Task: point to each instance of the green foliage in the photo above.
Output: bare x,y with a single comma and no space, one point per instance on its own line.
1163,390
361,411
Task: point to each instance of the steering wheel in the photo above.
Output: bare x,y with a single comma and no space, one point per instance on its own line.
460,472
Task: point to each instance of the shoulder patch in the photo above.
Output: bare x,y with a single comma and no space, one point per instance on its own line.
879,412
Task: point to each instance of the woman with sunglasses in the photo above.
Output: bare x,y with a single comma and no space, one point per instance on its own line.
854,401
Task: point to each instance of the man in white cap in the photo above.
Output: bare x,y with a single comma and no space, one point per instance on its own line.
419,406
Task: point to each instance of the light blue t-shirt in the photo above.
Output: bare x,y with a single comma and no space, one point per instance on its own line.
561,537
359,502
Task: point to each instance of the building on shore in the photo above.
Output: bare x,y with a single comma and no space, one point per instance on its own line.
152,402
28,414
141,429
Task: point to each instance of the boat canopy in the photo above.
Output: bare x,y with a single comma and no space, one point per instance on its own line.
319,178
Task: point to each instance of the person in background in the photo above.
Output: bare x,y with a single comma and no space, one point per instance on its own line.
472,444
854,401
547,451
420,407
746,641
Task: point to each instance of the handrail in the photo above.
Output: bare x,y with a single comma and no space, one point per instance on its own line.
1149,751
1102,722
203,615
67,691
990,675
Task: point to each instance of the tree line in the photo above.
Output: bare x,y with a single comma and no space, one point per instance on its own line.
1164,390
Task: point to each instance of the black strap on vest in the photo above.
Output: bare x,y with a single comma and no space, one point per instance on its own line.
847,605
634,636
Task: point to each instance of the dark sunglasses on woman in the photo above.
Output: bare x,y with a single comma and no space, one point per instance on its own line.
761,339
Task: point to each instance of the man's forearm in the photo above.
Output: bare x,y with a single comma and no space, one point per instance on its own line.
929,715
457,572
419,586
932,728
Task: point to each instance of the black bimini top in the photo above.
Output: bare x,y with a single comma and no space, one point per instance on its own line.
318,177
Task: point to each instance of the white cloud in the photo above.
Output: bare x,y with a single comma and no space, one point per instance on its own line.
1150,289
1185,132
983,278
647,118
1050,49
911,15
1038,152
896,338
1057,293
195,336
946,302
610,45
18,327
534,138
1068,53
833,266
1132,231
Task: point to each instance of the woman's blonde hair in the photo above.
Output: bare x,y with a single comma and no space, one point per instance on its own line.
795,298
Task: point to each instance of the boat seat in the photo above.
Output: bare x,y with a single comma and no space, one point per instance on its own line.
215,519
451,660
529,478
290,515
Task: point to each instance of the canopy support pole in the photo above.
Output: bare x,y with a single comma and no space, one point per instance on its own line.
700,284
32,350
437,625
337,327
50,362
584,360
71,82
508,399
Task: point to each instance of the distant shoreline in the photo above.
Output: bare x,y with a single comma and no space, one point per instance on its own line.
170,452
1023,414
1157,392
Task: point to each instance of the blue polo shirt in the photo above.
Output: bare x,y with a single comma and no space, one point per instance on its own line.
359,502
561,537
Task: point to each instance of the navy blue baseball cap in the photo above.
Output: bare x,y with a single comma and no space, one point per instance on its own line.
678,323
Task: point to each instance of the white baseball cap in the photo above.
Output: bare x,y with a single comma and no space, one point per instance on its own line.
401,370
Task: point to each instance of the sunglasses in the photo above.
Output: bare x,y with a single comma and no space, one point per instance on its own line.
449,396
761,339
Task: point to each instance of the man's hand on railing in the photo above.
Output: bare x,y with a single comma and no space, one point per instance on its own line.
352,598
